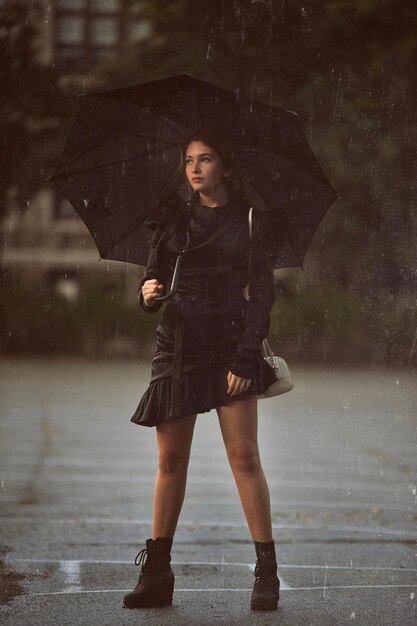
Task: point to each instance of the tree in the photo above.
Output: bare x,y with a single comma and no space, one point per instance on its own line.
32,107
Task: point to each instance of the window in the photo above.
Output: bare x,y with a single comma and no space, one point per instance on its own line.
105,6
138,31
70,30
87,31
104,31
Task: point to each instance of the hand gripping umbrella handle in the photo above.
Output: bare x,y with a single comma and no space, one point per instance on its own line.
174,282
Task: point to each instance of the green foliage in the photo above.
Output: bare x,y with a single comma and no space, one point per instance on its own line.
332,324
321,323
42,322
325,311
392,327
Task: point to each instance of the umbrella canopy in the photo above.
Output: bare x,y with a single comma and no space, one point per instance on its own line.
123,156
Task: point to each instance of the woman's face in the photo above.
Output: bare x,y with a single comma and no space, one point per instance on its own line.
204,168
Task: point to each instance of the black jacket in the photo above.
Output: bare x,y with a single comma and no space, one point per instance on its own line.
215,272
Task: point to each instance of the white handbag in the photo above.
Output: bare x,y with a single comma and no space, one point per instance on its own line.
279,365
282,372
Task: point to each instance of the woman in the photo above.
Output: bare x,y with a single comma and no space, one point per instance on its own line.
208,356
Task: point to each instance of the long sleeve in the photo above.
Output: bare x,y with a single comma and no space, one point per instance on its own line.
261,299
150,273
168,211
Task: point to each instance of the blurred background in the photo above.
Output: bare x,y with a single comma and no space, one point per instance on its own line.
347,67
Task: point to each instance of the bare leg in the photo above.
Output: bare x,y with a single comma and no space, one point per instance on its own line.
174,444
239,426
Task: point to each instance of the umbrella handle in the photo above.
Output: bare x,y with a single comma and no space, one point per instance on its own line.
174,282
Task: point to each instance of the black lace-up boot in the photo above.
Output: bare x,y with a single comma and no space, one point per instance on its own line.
156,580
265,592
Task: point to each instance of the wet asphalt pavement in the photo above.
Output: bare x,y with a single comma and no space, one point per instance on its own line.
339,453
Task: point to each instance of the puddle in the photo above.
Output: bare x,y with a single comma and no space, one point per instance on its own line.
10,586
30,496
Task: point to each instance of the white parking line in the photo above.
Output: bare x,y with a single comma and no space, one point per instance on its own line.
72,570
216,563
86,591
329,588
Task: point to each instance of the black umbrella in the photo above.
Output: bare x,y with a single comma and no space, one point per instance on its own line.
124,149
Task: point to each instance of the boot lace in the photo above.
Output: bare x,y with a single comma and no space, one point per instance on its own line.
149,565
140,558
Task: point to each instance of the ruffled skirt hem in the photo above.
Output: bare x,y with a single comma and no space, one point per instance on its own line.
202,390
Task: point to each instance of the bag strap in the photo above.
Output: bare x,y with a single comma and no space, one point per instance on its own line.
250,228
266,348
250,220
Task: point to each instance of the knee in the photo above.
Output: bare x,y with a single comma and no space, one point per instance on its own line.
245,459
172,463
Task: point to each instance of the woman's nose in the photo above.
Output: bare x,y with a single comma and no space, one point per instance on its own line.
196,167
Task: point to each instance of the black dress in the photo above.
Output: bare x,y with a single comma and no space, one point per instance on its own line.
208,327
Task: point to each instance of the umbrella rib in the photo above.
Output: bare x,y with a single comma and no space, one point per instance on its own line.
117,239
100,143
306,172
159,116
166,121
169,143
97,168
199,114
134,226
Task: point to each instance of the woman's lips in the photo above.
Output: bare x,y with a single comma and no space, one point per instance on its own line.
196,179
